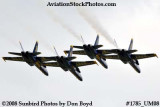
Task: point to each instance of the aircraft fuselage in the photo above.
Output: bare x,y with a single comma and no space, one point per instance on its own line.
93,54
90,51
67,65
125,57
32,60
28,58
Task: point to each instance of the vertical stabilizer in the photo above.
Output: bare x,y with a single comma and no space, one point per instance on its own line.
116,44
21,46
70,51
82,40
97,41
55,51
35,47
131,45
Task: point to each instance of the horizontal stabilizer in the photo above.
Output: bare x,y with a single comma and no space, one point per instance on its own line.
97,46
14,53
71,58
79,47
37,53
132,51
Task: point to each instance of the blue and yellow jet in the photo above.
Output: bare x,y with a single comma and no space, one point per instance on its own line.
30,58
126,56
67,64
93,52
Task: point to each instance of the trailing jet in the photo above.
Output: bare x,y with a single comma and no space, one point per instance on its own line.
93,52
126,56
66,64
30,58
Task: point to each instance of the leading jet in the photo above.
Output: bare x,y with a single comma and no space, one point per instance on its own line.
92,52
67,64
30,58
126,56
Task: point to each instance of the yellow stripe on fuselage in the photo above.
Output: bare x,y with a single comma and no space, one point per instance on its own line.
38,64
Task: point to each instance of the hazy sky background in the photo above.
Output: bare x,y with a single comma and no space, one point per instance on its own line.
28,21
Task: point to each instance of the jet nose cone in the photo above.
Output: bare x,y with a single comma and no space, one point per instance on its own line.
139,72
47,74
106,67
81,79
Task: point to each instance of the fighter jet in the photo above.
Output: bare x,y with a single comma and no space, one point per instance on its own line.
67,64
93,52
30,58
126,56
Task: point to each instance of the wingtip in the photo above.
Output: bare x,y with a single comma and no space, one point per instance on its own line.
156,55
96,63
3,59
65,52
132,39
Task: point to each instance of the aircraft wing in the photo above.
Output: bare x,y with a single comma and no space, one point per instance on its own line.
84,63
52,64
13,58
141,56
79,52
111,57
108,51
46,58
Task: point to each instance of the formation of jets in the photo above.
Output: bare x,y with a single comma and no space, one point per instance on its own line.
66,63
